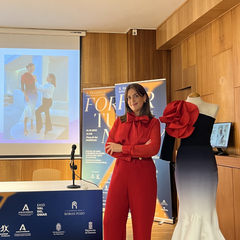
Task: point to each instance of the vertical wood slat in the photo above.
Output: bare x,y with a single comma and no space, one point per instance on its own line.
91,59
204,61
144,61
236,126
236,45
189,78
236,190
222,34
188,52
104,59
223,86
207,98
182,94
225,202
176,69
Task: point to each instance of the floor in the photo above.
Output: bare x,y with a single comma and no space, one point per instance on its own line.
159,232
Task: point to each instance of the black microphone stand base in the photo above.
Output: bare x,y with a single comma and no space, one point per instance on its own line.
73,186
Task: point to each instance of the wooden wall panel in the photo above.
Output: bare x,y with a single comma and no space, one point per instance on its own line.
28,166
104,59
188,52
161,35
191,50
189,18
204,61
172,26
189,78
22,170
144,61
91,60
236,190
236,45
182,94
223,86
201,7
114,49
10,170
176,69
207,98
236,126
222,34
225,202
185,15
184,53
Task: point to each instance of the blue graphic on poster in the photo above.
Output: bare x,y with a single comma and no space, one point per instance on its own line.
98,118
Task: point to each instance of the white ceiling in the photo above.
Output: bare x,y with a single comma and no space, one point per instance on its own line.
90,15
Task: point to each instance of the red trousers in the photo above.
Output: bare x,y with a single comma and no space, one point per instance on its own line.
133,186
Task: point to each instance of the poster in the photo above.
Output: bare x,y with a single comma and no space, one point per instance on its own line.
156,90
98,118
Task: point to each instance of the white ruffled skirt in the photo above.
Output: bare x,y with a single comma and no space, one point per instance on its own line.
29,108
196,181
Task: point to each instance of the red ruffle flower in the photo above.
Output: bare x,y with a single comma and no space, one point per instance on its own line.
179,117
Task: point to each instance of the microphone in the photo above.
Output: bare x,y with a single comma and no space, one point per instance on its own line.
73,152
73,167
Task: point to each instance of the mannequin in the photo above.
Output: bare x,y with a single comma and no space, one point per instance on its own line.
208,109
196,169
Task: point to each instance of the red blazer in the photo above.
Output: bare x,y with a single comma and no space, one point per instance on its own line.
133,134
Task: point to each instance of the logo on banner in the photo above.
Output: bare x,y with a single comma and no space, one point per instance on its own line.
25,211
74,211
164,203
90,229
22,232
74,205
4,232
40,210
58,230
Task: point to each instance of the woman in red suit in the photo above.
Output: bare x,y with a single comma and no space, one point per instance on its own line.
133,140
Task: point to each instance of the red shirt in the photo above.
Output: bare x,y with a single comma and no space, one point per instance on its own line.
133,134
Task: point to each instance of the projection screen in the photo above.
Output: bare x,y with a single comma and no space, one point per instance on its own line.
58,55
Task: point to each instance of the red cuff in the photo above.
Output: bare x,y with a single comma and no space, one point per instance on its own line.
126,149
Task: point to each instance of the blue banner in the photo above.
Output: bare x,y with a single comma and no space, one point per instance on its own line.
51,215
98,118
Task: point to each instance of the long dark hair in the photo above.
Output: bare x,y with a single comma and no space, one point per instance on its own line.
146,106
53,79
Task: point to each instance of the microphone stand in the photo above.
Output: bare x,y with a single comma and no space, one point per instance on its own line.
73,168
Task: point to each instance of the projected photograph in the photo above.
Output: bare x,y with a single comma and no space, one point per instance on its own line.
36,97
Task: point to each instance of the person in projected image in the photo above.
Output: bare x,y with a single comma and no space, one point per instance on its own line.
30,96
47,93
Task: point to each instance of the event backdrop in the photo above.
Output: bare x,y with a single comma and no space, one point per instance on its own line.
38,215
98,118
100,108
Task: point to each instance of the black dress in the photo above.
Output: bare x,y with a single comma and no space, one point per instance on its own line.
196,180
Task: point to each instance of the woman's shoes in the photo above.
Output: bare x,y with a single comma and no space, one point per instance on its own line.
31,127
25,132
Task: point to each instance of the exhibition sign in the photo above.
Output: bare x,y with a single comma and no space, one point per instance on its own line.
51,215
100,108
98,118
156,90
